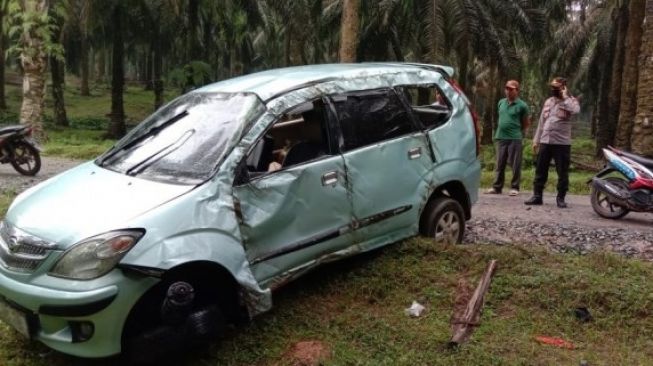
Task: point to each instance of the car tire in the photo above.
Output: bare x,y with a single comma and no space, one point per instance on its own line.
444,220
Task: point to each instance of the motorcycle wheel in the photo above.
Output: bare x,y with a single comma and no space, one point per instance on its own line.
26,159
601,201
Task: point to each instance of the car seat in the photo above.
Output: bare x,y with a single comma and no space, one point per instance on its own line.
301,152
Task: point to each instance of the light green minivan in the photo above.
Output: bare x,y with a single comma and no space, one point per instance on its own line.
230,191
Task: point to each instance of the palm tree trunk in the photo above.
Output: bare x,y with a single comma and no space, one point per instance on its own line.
286,45
148,68
603,128
396,47
628,105
3,12
101,64
193,24
157,69
614,99
642,138
349,31
84,51
489,110
57,71
117,127
34,63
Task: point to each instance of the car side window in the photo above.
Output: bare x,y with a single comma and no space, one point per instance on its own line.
429,104
298,136
370,117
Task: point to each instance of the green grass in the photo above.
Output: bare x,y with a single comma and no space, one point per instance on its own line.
582,151
355,308
76,143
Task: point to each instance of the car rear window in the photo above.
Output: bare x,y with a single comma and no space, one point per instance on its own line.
429,104
370,117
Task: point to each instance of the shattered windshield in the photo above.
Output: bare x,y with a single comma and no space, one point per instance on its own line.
185,140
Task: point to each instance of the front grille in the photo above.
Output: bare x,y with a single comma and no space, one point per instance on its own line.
20,250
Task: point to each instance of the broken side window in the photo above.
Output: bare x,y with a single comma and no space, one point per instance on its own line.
298,136
428,103
371,117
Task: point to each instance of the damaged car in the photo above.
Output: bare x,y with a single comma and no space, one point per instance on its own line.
226,193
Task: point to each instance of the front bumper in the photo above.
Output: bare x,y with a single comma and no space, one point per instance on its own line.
55,306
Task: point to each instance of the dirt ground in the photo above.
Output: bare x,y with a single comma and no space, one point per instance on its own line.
11,181
579,213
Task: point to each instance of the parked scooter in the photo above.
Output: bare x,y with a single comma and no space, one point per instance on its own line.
18,149
614,196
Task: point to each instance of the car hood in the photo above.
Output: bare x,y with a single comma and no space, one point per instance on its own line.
85,201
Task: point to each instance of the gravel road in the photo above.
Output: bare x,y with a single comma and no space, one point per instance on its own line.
11,181
496,219
500,219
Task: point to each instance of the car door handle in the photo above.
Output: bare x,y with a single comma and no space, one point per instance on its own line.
329,178
414,153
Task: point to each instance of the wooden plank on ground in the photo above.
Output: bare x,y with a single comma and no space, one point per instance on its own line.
464,326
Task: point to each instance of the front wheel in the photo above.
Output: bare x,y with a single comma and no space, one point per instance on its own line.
602,204
444,220
26,158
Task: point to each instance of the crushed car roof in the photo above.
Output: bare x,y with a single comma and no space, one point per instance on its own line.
267,84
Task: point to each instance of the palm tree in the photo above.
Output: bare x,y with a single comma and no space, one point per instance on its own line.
117,126
57,69
642,137
4,6
628,105
33,23
591,49
349,30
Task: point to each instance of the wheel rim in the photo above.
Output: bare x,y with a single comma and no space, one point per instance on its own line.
24,158
447,229
604,202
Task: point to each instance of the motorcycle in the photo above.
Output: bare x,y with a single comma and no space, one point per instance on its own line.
18,149
614,196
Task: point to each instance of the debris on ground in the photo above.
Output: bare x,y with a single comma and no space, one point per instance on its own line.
463,326
554,341
415,310
583,314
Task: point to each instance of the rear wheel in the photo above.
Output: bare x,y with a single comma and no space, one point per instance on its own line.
26,158
602,204
444,219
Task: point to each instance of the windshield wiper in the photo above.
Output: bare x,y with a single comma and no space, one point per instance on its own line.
151,132
143,164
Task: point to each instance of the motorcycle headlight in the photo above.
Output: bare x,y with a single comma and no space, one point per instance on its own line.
94,257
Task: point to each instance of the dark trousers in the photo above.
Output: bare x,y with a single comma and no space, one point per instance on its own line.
561,154
508,152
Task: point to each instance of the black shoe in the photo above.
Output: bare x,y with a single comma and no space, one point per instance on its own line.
560,201
535,200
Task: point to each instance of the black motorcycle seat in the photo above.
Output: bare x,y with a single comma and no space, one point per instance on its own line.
11,129
640,159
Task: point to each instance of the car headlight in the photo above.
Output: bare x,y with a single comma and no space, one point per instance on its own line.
93,257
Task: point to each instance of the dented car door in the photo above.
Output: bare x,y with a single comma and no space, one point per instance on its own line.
297,216
388,164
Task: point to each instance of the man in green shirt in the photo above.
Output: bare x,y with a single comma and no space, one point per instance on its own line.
514,118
